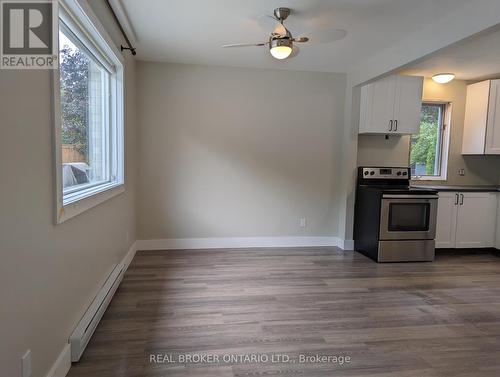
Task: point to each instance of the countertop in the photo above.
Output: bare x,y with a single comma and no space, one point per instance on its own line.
459,188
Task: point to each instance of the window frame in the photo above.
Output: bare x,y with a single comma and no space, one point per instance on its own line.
445,143
83,23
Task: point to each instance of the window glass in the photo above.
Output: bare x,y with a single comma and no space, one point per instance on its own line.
84,116
427,147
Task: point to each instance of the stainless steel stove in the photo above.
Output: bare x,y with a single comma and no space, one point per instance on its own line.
393,222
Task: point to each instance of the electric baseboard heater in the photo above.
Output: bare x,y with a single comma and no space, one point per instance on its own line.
87,325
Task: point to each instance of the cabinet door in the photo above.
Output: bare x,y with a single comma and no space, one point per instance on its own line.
476,220
377,106
446,224
493,124
476,113
408,104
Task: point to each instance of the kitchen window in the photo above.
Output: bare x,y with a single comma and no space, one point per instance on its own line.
429,149
88,101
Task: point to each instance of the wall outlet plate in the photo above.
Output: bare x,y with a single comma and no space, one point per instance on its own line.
26,364
302,222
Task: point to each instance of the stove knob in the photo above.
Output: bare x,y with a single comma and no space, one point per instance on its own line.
398,173
366,173
405,173
372,173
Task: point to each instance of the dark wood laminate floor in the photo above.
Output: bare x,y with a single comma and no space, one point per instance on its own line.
408,320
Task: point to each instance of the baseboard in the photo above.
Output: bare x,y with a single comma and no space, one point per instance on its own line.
129,256
61,366
238,242
346,244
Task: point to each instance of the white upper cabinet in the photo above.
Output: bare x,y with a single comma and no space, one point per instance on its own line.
391,106
482,118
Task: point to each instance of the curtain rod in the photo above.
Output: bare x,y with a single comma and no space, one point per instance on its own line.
130,48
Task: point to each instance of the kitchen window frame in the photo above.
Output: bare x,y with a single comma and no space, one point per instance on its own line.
445,143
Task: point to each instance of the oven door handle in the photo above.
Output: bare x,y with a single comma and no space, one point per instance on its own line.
395,196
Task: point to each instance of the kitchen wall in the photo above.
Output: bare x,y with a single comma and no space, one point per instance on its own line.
479,170
376,150
50,273
234,152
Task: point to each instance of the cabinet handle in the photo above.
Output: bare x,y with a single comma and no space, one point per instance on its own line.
461,199
456,199
390,125
396,125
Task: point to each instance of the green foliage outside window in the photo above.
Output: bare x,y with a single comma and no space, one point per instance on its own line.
424,148
74,72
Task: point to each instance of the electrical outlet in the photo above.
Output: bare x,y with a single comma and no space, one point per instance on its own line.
302,222
461,172
26,364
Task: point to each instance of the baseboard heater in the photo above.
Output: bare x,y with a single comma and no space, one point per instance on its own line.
87,325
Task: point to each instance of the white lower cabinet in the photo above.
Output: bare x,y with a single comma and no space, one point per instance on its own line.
466,220
446,222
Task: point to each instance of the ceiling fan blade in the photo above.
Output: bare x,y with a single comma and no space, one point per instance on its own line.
325,35
280,29
301,39
267,21
295,52
244,45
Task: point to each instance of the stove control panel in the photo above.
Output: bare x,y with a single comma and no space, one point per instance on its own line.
386,173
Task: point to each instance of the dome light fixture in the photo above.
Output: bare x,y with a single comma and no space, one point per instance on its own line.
280,48
443,78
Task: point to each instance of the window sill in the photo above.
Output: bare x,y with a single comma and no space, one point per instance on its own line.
432,179
79,204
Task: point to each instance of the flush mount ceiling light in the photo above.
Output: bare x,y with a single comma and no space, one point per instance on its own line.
443,78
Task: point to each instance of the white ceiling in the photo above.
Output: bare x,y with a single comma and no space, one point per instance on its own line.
475,58
192,31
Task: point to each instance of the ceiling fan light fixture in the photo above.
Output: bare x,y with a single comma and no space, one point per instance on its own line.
443,78
280,48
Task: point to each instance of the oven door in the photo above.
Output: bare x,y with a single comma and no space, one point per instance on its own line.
408,217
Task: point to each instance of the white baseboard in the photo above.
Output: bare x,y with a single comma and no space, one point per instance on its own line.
129,256
346,244
237,242
61,366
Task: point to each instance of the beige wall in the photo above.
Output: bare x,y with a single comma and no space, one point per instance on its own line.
479,170
376,150
232,152
50,273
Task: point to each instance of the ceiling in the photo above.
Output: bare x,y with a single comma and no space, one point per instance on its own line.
476,58
192,31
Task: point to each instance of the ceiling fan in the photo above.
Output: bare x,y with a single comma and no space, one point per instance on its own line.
281,42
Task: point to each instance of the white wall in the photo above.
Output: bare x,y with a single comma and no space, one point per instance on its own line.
234,152
50,273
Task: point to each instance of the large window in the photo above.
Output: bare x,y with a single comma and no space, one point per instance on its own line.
429,149
89,120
